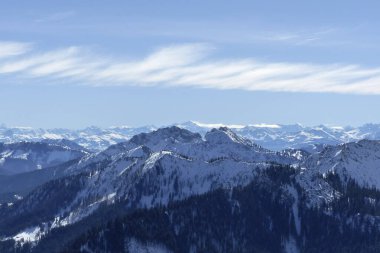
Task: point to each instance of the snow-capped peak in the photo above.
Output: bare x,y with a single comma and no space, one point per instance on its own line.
224,135
167,135
263,125
213,125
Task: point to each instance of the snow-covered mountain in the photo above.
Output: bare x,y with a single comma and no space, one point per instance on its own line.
172,164
149,170
92,138
279,137
359,161
271,136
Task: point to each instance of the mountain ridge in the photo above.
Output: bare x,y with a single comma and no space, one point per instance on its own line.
272,136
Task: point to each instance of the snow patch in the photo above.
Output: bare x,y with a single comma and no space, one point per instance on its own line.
134,246
263,125
210,126
31,234
290,246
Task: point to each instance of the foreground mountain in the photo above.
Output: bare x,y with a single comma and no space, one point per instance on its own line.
172,190
267,215
273,137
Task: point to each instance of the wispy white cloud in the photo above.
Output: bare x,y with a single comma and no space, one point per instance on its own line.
55,17
238,33
191,65
8,48
32,62
316,37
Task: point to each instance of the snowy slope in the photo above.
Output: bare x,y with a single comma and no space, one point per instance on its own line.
357,160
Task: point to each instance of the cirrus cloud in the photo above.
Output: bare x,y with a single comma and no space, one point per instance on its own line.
186,65
8,48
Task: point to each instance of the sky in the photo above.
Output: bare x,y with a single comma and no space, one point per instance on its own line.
74,63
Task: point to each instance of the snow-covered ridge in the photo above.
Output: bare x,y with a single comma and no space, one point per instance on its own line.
272,136
359,161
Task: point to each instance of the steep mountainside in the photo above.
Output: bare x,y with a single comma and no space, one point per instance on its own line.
268,215
357,160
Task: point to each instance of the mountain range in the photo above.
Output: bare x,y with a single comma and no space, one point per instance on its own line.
211,189
272,136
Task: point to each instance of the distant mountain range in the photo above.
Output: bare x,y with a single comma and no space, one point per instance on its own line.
273,137
92,138
211,189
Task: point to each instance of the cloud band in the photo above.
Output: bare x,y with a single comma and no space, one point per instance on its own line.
188,65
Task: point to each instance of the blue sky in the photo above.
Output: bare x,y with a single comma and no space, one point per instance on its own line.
79,63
